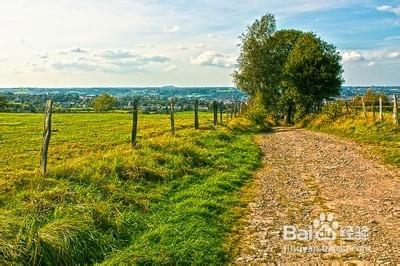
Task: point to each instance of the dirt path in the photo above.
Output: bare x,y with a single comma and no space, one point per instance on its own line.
306,174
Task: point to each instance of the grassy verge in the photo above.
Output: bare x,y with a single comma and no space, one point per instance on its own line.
171,200
384,137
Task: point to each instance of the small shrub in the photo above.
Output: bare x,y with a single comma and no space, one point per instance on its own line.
330,112
333,110
256,111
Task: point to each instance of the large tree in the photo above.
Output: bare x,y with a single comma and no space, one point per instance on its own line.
103,103
291,69
314,70
254,73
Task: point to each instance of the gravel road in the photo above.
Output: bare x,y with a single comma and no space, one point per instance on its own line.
321,199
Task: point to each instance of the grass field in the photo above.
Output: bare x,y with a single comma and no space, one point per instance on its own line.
383,136
172,199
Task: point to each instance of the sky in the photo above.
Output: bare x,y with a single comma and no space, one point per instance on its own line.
63,43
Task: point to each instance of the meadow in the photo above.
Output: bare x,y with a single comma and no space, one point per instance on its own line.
172,199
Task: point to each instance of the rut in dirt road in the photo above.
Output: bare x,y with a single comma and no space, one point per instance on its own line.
305,174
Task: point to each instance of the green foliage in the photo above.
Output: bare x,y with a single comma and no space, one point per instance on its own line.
169,200
293,70
333,110
103,102
330,112
255,63
256,111
372,98
313,69
3,102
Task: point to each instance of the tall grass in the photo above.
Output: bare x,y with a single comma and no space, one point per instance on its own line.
170,200
382,136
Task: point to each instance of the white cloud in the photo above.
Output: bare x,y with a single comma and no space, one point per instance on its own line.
392,38
145,45
78,51
43,56
109,61
390,9
124,67
154,58
394,55
211,36
172,29
182,47
214,58
170,68
37,66
372,57
200,45
352,56
74,66
118,54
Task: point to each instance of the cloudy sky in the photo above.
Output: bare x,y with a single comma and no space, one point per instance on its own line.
56,43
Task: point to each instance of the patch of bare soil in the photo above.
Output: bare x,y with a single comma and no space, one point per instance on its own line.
329,187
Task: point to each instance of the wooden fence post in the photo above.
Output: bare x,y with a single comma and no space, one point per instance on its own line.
347,108
46,136
364,109
215,111
235,108
395,116
221,106
232,110
355,106
135,120
196,114
373,111
380,109
239,108
171,107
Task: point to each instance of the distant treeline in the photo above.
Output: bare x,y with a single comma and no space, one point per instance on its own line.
10,102
153,100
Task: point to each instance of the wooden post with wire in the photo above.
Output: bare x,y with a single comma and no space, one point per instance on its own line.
171,110
395,110
46,136
355,106
363,106
221,106
380,109
373,111
135,120
215,111
196,114
235,108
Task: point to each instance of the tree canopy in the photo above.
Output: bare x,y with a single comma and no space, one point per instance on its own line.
3,102
291,69
103,103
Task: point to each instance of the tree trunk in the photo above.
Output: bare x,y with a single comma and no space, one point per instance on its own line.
289,113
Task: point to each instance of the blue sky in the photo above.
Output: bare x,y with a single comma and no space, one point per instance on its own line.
57,43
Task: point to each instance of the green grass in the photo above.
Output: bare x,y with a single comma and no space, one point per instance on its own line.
171,200
382,136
